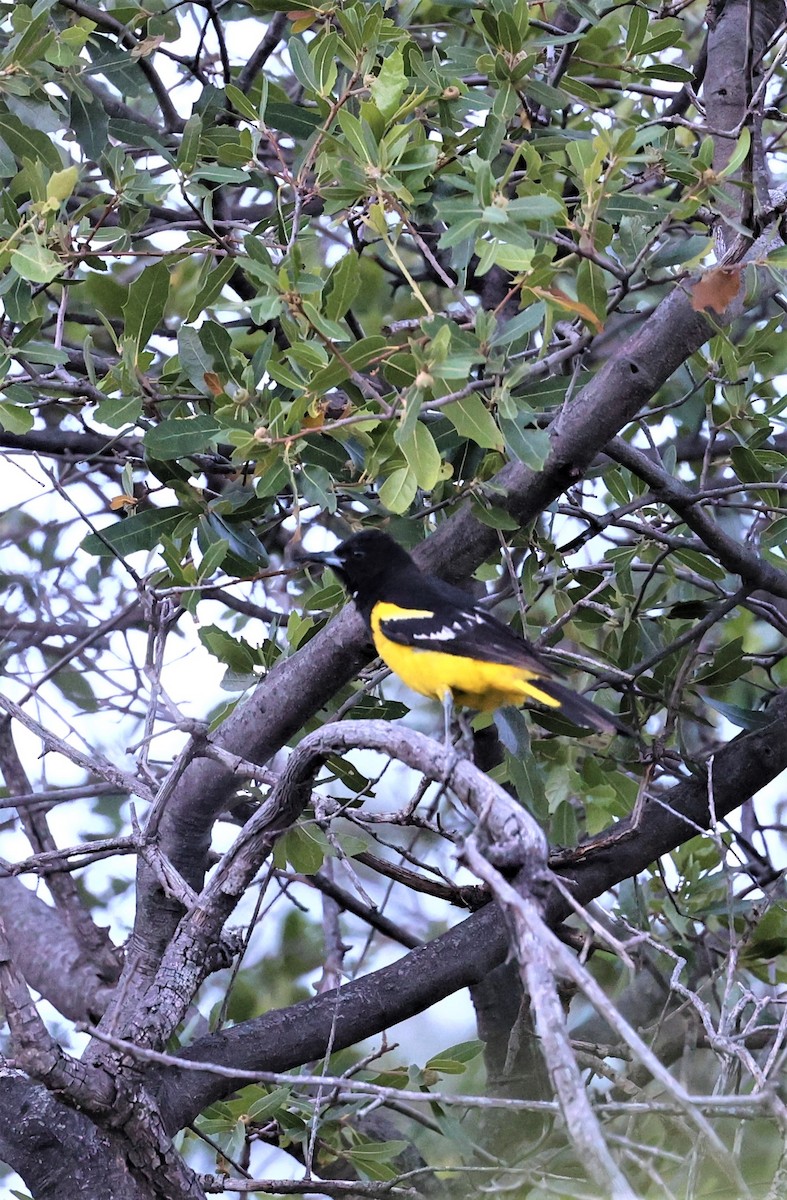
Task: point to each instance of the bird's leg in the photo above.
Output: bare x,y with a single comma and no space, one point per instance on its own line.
451,755
448,713
464,743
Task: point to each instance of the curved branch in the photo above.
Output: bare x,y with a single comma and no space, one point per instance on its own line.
187,959
733,554
37,1129
287,1038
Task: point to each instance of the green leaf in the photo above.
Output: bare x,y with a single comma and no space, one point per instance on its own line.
702,564
30,43
212,287
472,419
233,652
377,1151
144,307
212,559
521,766
359,137
739,154
24,142
344,283
15,419
303,846
118,411
241,538
519,326
356,356
293,119
268,1106
637,29
423,457
34,262
241,103
398,491
142,531
494,517
317,487
189,145
178,437
323,55
194,358
530,446
540,207
217,342
592,288
727,666
672,74
388,88
302,65
744,718
462,1052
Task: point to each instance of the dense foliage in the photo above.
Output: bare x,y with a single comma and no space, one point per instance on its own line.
505,280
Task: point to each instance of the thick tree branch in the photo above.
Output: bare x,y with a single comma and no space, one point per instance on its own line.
52,958
187,959
46,1142
262,52
289,1037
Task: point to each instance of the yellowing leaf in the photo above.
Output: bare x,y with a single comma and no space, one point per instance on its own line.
556,296
147,46
61,184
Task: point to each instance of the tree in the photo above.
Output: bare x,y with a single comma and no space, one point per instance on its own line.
501,279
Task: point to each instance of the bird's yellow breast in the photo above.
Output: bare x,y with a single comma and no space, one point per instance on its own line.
471,682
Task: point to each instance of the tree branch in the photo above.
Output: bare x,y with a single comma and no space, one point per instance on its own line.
733,554
286,1038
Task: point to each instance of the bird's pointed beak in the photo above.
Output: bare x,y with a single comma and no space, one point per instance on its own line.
328,558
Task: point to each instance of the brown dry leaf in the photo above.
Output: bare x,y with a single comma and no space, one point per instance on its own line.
576,306
146,47
122,501
716,289
213,383
313,421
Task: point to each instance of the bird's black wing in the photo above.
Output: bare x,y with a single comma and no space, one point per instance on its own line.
455,625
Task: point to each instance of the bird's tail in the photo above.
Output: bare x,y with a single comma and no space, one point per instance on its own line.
581,711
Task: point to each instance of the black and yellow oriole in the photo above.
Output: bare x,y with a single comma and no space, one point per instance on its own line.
441,643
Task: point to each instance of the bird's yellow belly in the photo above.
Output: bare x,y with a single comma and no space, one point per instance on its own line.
472,683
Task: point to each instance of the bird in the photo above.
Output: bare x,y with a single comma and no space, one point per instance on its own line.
441,643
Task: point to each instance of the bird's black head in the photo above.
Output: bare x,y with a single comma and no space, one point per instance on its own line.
364,560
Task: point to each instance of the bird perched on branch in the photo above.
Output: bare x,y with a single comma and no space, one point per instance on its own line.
441,643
